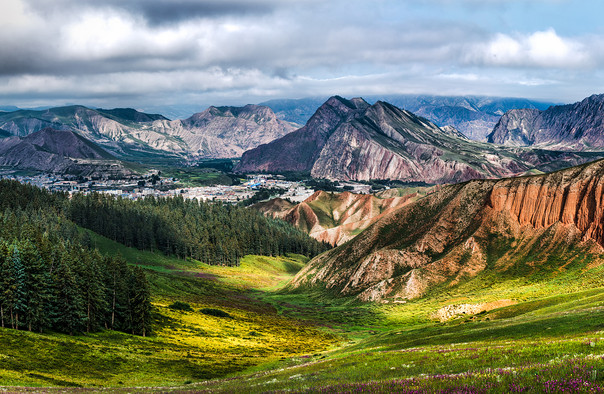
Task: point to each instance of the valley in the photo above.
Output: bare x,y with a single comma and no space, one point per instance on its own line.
368,251
300,197
326,345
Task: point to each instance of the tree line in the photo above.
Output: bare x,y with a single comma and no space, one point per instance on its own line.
50,279
213,233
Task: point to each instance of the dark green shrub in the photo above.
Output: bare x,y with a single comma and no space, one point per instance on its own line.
215,312
181,306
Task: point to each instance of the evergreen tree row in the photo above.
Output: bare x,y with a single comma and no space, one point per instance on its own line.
50,278
67,288
210,232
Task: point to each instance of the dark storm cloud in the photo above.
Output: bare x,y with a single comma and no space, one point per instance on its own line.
232,49
160,12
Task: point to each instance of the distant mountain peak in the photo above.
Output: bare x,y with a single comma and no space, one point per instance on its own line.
578,126
345,141
59,151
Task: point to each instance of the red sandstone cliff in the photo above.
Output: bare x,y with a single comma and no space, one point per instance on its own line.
511,225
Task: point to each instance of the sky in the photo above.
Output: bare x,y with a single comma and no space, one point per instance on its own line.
160,53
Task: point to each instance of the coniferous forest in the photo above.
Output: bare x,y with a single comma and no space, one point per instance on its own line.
52,279
213,233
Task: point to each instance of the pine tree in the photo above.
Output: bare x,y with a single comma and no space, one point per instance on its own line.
140,302
14,286
37,289
68,308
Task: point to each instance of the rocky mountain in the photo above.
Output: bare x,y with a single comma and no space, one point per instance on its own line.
578,126
59,151
337,217
224,132
299,150
126,136
216,132
518,228
352,140
474,116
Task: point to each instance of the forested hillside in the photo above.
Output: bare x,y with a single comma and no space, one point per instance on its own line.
50,278
209,232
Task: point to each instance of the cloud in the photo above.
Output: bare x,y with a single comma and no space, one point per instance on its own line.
159,12
238,50
544,49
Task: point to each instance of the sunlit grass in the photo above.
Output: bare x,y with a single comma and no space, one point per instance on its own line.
184,346
551,338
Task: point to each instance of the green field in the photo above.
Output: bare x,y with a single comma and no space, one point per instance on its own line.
549,337
195,176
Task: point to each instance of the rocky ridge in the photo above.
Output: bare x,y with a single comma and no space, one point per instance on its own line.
474,116
218,132
336,217
59,151
352,140
512,225
578,126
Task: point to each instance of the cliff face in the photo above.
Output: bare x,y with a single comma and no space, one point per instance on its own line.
574,197
59,151
578,126
337,217
216,132
512,225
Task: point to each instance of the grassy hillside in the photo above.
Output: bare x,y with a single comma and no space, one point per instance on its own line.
534,334
544,344
185,346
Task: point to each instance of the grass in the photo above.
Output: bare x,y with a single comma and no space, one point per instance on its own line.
261,338
555,344
186,346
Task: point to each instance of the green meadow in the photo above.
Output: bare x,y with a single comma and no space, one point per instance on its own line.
549,337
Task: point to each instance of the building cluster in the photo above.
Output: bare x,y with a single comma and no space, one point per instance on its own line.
134,189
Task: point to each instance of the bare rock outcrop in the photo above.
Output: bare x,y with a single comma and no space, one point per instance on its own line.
578,126
462,230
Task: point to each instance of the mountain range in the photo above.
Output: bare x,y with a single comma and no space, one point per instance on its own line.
353,140
578,126
474,116
59,151
217,132
514,227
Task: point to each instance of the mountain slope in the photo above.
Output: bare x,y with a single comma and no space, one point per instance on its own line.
127,133
474,116
335,217
517,227
59,151
578,126
351,140
122,136
299,150
225,132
